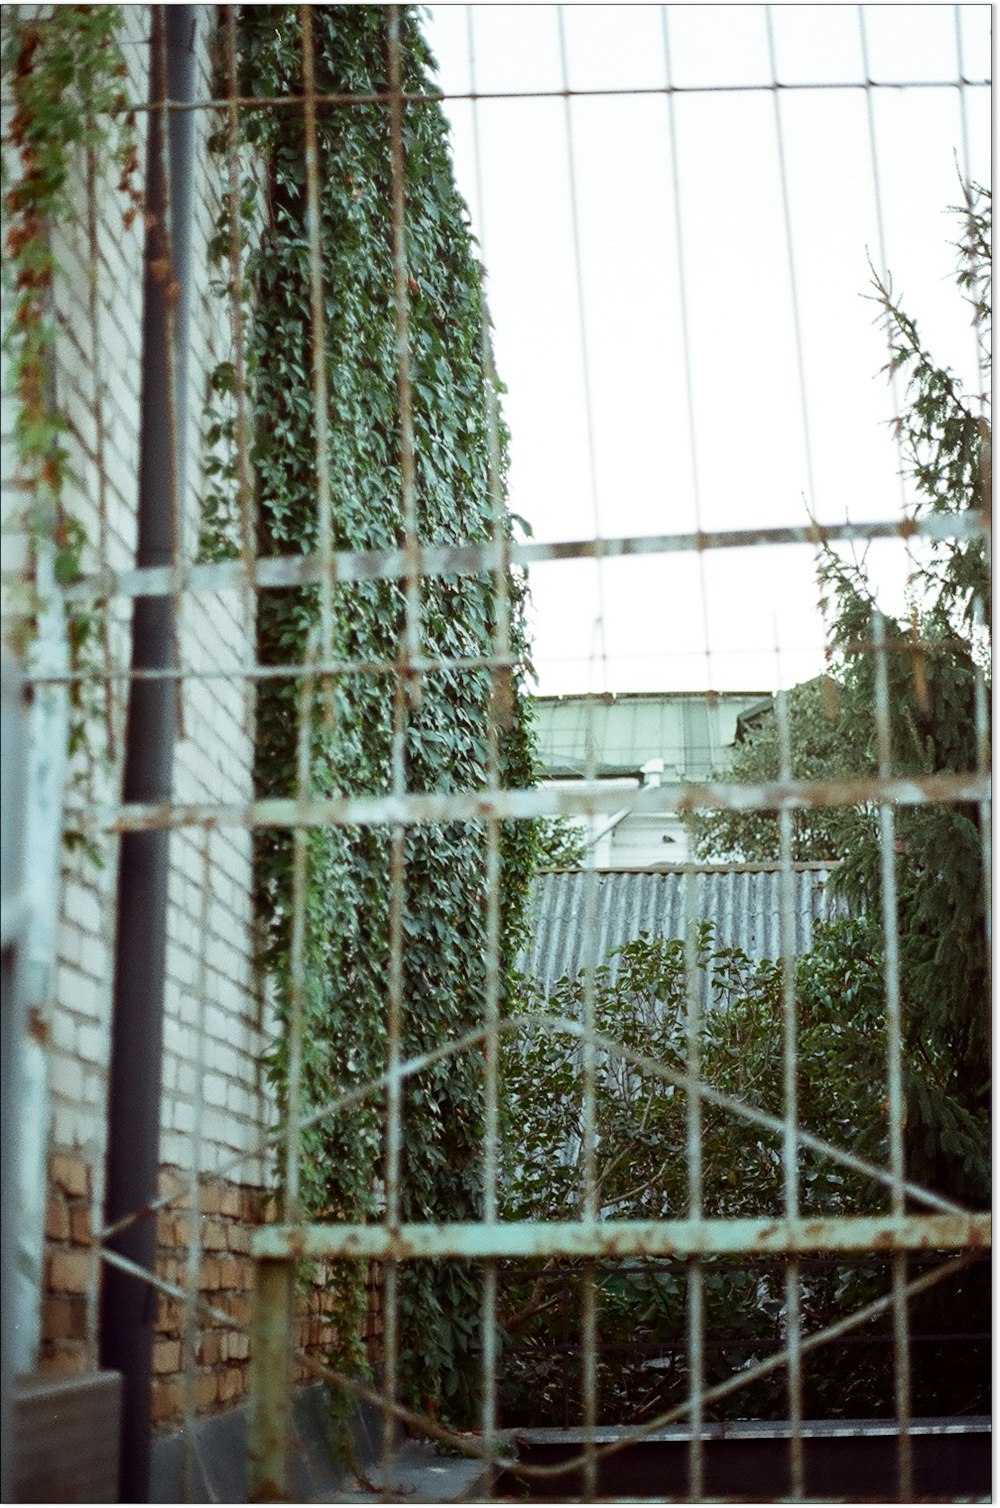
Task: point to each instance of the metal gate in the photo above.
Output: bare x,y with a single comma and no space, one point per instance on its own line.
914,1219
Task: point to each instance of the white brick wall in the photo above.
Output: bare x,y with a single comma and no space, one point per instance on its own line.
210,988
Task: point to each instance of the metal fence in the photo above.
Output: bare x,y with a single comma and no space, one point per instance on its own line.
913,1219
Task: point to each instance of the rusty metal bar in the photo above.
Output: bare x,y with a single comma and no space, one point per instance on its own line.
283,101
297,949
793,1314
589,800
394,1082
501,710
985,820
894,1055
477,558
790,1145
688,366
412,573
244,487
611,1238
317,344
192,1277
695,1334
270,1380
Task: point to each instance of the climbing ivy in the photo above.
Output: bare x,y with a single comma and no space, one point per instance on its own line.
347,896
64,76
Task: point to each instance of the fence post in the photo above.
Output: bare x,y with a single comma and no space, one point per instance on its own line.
270,1381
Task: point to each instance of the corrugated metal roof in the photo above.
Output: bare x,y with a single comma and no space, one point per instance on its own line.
742,901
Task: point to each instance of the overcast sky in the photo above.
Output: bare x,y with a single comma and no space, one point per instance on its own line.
724,436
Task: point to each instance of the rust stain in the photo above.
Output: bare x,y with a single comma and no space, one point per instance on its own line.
38,1027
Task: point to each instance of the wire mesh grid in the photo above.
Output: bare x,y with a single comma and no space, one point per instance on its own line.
912,1217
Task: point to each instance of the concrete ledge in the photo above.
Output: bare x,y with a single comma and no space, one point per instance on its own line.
216,1459
845,1460
65,1441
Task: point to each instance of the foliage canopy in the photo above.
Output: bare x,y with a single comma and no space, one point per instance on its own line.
937,669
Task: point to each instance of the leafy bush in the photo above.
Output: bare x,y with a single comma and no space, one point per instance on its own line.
639,1000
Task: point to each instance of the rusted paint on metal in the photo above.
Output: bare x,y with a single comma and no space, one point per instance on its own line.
683,1238
489,556
590,800
270,1383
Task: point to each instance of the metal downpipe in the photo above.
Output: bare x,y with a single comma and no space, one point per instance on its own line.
128,1305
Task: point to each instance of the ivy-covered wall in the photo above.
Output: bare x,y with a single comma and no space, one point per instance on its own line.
348,887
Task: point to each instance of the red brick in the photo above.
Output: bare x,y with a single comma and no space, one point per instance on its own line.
79,1224
170,1316
230,1274
167,1356
211,1199
210,1349
210,1275
166,1399
239,1346
240,1306
181,1230
239,1239
69,1271
230,1384
213,1236
229,1201
252,1205
167,1268
71,1173
69,1361
56,1220
64,1318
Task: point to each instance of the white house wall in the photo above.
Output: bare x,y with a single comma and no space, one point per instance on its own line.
210,989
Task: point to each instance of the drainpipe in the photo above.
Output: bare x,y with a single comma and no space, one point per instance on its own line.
128,1305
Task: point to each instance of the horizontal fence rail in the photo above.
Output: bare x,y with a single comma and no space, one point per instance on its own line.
615,1238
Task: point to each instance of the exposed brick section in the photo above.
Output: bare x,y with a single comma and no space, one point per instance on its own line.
70,1266
229,1212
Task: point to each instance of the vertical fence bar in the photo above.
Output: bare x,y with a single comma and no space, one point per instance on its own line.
696,1193
678,228
270,1381
793,1285
501,707
407,696
410,648
394,1085
985,819
237,295
320,374
894,1049
589,1205
588,1162
192,1280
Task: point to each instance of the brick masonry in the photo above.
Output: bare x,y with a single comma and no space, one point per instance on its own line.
229,1212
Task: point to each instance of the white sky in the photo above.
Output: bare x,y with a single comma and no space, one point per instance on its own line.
640,624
